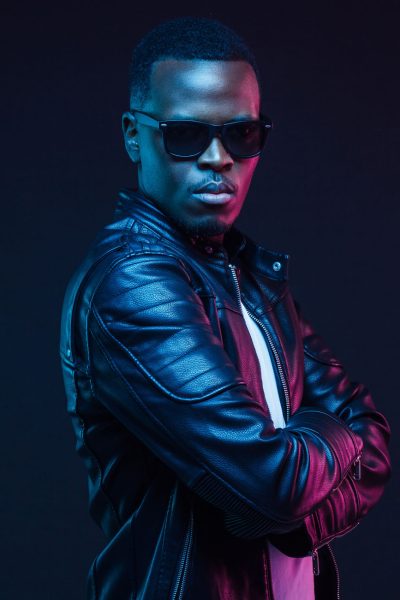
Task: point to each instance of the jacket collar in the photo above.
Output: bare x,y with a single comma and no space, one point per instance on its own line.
236,246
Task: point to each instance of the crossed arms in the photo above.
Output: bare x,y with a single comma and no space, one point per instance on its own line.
159,368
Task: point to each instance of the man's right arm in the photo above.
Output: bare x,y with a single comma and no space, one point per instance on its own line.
159,368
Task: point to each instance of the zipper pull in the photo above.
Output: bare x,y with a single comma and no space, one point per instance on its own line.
235,267
315,561
357,468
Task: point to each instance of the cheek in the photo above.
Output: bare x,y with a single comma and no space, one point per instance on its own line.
152,156
163,177
245,172
158,166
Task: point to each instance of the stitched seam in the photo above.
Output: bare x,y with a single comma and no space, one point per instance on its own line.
317,524
222,306
343,474
191,555
357,497
273,301
149,375
79,293
139,253
278,298
206,470
339,533
331,362
162,560
343,424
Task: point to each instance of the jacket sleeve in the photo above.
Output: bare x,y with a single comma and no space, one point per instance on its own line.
327,386
161,370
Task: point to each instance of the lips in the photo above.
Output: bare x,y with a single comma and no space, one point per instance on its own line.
216,187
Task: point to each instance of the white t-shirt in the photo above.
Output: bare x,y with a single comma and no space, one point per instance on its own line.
292,578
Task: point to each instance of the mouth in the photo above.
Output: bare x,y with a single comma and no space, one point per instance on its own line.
222,198
215,193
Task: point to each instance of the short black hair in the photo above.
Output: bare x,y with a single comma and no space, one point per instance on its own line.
185,38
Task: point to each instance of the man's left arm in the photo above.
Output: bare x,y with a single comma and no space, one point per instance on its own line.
327,385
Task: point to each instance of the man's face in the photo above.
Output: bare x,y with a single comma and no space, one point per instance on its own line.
212,91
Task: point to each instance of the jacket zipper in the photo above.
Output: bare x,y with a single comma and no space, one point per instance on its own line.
337,572
269,338
357,464
177,592
315,562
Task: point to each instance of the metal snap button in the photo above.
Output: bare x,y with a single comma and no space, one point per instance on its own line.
209,249
277,266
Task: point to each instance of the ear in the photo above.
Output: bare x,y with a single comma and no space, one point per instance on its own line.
130,134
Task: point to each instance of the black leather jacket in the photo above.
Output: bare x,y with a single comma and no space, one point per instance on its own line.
188,478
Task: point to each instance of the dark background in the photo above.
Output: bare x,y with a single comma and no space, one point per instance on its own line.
325,191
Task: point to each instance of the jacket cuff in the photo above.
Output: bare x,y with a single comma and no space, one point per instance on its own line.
336,516
346,444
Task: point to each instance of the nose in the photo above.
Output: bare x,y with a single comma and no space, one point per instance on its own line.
215,156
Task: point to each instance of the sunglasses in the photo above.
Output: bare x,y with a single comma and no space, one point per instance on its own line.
189,139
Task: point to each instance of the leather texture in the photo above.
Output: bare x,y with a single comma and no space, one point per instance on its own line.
188,477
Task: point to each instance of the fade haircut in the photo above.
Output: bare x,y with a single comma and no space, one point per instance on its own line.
184,38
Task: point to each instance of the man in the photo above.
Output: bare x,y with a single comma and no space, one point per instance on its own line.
224,442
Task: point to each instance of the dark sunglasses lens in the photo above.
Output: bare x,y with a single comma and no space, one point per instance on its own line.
185,139
245,139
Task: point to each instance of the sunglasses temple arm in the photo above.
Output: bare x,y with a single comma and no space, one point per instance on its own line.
145,120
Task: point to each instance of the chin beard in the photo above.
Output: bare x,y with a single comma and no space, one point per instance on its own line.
208,228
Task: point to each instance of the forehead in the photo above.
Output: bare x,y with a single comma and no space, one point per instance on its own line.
203,89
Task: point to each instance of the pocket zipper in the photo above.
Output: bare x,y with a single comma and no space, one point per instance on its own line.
177,592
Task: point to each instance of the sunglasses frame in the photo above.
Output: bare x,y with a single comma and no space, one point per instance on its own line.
213,131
